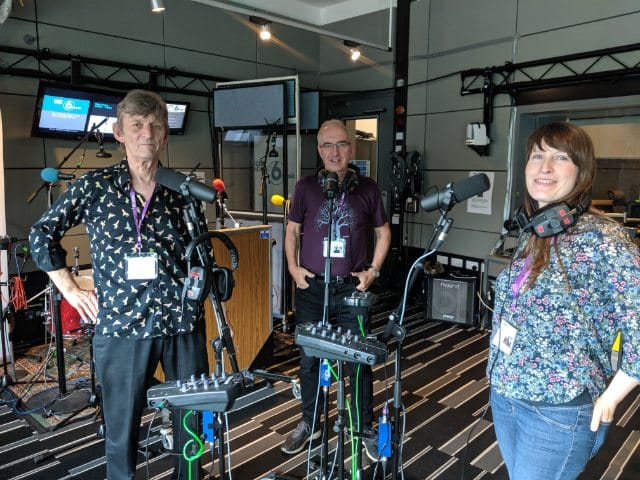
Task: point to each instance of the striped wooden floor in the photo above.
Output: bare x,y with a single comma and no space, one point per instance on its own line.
447,434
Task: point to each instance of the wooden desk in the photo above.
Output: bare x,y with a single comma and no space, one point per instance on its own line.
248,312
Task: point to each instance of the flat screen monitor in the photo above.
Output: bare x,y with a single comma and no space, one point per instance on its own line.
249,105
310,110
71,112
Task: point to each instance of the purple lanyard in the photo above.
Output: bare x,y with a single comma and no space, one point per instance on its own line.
138,220
520,279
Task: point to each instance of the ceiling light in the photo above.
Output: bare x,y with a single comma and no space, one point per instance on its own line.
264,32
354,49
157,6
264,27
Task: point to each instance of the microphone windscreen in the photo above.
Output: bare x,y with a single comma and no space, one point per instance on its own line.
470,187
174,180
169,178
50,175
218,184
277,199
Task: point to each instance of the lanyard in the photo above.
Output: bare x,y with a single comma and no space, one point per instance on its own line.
138,220
520,279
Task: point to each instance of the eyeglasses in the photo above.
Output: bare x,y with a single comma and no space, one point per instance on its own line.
340,145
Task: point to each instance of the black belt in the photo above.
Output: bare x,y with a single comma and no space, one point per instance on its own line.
346,279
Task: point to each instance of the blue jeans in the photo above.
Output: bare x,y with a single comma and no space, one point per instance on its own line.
544,442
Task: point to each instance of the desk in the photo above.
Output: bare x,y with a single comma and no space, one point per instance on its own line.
248,312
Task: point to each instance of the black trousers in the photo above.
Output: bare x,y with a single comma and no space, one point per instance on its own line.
309,308
125,369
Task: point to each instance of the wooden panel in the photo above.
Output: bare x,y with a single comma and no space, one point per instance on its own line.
248,312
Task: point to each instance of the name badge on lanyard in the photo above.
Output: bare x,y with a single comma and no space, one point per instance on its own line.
140,265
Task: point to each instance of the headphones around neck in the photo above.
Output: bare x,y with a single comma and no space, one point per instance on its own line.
547,221
349,182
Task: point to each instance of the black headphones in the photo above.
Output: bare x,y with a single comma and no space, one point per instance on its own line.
348,185
545,222
199,281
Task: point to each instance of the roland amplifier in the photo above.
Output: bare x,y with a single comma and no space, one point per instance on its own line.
451,298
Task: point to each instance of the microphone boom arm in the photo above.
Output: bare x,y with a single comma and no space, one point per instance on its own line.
82,140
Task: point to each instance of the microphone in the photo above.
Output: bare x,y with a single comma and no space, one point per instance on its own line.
277,200
52,175
102,154
218,184
100,137
330,183
273,153
180,183
455,192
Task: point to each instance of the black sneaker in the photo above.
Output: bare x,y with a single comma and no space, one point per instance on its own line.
297,439
370,443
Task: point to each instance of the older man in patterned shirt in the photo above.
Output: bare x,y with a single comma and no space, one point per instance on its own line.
137,238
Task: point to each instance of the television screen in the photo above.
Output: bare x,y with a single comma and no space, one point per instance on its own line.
249,105
178,112
71,112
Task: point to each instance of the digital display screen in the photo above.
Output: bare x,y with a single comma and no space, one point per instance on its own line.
71,112
249,105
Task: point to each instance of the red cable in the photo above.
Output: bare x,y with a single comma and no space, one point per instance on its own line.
17,295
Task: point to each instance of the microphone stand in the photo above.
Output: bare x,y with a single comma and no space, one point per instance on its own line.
61,402
324,458
395,329
66,158
264,177
225,340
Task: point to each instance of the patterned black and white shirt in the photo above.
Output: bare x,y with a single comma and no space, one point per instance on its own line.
100,200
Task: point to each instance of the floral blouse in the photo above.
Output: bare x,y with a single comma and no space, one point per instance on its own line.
567,321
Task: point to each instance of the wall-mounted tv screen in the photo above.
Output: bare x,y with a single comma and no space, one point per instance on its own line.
70,112
249,105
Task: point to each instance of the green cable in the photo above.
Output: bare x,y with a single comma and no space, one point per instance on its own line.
352,440
360,323
187,444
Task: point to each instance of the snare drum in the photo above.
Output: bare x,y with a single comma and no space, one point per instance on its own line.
70,319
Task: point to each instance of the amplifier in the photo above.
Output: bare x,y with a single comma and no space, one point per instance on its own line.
451,298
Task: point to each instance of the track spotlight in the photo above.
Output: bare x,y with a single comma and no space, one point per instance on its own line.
265,32
264,27
157,6
354,48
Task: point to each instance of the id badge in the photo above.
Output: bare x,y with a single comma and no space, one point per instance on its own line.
505,337
338,248
141,266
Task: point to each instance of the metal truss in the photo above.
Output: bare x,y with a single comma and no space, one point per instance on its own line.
76,70
610,64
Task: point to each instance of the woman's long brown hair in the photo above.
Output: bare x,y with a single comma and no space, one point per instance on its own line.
576,143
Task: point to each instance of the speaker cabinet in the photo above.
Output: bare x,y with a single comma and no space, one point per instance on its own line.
451,298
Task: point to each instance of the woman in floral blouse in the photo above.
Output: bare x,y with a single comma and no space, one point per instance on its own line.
572,285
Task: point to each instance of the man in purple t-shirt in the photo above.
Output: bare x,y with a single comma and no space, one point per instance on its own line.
357,208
